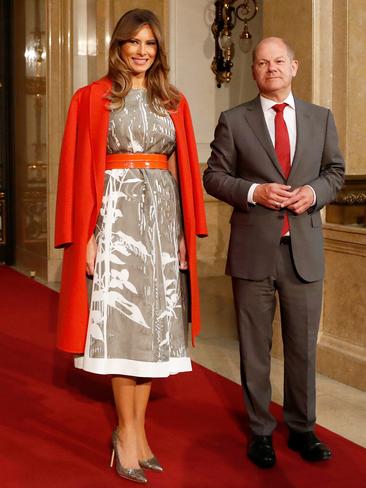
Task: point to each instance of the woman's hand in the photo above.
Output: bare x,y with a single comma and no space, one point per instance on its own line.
91,252
182,254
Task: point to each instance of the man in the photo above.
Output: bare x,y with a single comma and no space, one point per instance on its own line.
276,160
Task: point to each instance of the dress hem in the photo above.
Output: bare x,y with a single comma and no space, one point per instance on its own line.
130,367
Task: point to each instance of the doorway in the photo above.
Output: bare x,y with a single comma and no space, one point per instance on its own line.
6,215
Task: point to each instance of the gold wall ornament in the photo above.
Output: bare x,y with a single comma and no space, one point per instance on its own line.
226,17
33,195
35,50
349,206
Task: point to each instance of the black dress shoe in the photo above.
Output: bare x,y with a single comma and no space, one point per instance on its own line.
261,452
309,446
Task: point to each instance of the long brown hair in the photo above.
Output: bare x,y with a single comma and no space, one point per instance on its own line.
161,94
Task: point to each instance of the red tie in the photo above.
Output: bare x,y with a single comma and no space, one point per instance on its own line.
282,148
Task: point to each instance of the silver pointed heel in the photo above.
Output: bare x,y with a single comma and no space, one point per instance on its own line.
133,474
152,464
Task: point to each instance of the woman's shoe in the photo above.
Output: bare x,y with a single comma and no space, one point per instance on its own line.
132,474
152,464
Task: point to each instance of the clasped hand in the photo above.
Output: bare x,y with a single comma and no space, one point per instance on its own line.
276,196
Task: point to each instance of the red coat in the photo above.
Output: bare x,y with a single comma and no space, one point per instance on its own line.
79,197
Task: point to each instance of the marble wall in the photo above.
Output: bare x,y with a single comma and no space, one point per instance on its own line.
328,39
351,16
342,344
293,22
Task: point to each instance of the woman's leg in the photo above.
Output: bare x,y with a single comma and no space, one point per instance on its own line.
142,394
124,389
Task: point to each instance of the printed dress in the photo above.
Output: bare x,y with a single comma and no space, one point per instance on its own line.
138,312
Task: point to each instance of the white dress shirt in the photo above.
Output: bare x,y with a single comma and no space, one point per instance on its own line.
289,115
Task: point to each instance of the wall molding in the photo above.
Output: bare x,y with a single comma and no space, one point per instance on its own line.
345,239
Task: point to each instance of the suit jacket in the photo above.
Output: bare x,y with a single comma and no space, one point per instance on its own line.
80,192
242,154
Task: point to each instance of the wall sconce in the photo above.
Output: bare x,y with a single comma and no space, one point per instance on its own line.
226,16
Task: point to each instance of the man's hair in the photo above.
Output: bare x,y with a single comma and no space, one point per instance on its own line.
290,51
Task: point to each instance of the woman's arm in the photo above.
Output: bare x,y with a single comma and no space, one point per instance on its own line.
91,252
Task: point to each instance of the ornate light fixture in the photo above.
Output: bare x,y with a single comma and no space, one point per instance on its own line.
226,16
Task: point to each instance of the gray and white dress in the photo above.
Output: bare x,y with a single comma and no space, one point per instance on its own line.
138,312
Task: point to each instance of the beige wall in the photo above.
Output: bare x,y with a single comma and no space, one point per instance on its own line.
119,7
191,48
337,52
293,22
356,89
342,345
329,38
340,41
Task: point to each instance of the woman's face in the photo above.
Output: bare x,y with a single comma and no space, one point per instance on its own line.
140,51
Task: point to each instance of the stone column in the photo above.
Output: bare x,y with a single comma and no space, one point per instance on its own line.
342,345
59,90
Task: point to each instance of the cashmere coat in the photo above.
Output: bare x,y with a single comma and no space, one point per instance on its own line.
79,197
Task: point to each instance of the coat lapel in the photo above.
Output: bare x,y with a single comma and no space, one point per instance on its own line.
174,115
177,120
99,119
303,135
254,116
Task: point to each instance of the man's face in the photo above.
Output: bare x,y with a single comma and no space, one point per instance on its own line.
273,69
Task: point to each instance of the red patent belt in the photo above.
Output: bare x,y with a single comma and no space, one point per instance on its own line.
139,161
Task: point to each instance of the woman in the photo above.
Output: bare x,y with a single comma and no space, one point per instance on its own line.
128,164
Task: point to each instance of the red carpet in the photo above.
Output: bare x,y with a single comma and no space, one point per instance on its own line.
56,422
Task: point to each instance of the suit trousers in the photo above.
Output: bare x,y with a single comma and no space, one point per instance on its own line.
300,308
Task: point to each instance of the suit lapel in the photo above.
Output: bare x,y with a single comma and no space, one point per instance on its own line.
253,114
303,135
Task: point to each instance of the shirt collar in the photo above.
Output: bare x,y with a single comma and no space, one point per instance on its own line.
267,104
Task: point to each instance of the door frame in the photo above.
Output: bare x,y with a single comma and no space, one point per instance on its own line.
6,131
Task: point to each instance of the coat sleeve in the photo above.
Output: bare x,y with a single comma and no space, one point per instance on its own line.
199,206
65,188
331,177
220,177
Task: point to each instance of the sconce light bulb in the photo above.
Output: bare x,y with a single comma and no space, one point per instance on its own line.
225,41
245,41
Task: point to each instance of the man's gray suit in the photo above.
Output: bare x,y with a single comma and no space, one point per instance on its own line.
243,154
